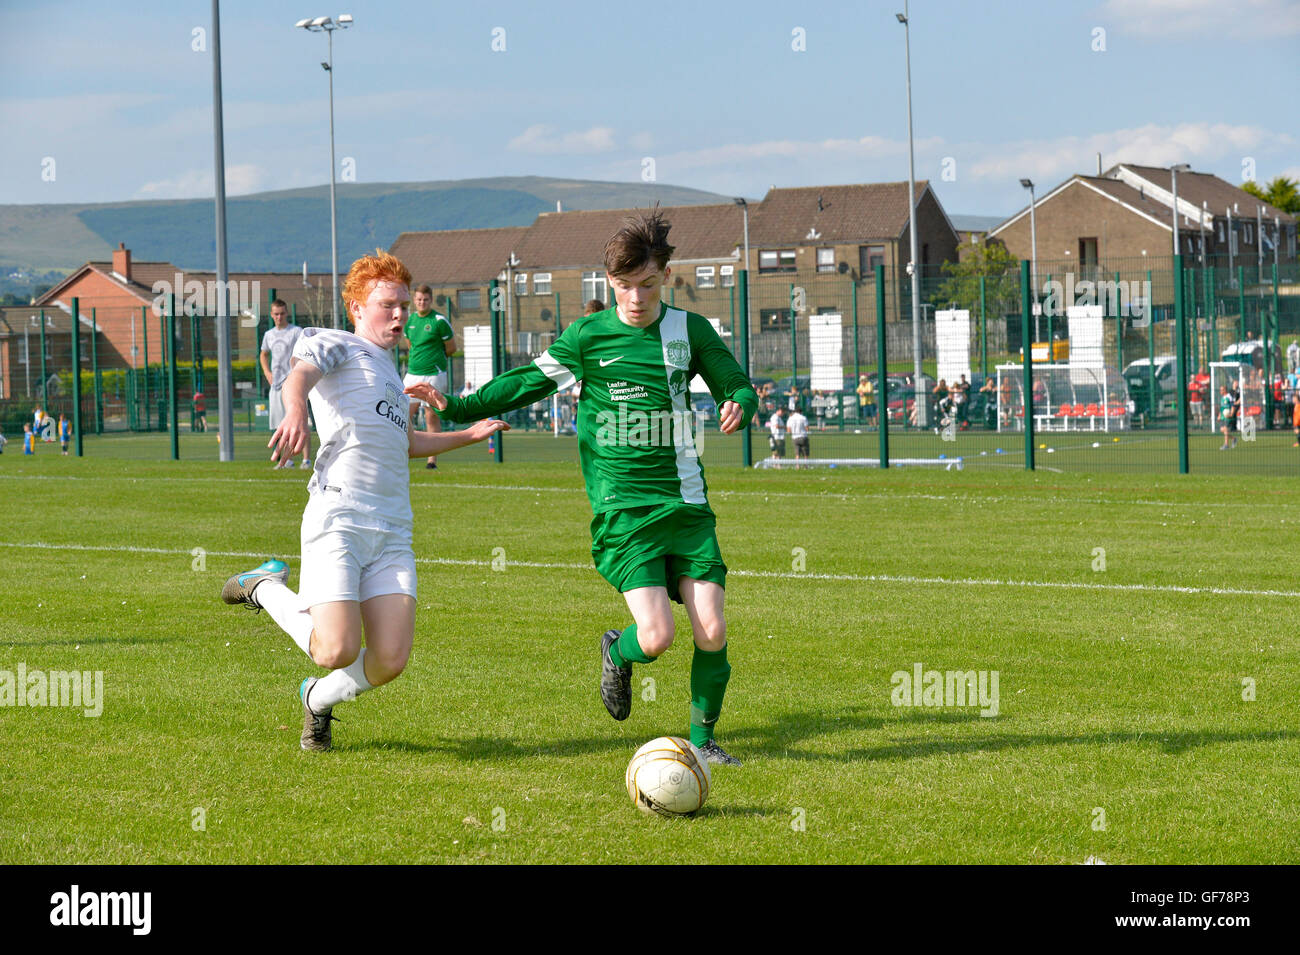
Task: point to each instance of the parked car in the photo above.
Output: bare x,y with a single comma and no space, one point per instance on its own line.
1138,377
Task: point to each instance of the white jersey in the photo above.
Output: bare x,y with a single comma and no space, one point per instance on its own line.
776,424
798,425
279,342
361,416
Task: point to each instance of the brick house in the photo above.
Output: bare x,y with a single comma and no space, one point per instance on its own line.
1126,213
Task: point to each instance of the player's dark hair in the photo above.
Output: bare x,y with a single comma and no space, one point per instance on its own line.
424,290
280,303
643,239
593,306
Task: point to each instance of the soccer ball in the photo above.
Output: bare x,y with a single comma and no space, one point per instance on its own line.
668,776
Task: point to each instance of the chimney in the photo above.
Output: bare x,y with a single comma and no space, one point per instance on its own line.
122,261
558,207
1099,164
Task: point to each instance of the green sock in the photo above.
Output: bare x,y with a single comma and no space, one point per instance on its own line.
626,649
710,672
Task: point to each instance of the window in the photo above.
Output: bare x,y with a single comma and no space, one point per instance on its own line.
825,260
869,256
1221,237
594,286
704,276
521,283
773,319
728,275
541,283
468,299
777,260
1247,233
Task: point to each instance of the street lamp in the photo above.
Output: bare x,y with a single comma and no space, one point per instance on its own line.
328,26
744,208
1174,171
922,418
1033,252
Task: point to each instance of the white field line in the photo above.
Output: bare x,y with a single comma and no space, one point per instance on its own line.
894,496
767,574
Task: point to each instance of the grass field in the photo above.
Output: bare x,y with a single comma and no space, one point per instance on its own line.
1121,733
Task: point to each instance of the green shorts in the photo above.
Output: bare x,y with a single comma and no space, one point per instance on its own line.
654,546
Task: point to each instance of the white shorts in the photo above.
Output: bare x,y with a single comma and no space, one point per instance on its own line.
350,556
275,409
438,381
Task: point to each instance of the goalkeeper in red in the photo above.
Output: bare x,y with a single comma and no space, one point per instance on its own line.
653,532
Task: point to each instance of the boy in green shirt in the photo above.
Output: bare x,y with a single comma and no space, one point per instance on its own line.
652,533
432,343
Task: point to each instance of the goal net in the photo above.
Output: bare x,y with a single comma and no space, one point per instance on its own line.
1066,397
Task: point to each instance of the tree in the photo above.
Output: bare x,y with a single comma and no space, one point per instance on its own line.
1001,273
1280,192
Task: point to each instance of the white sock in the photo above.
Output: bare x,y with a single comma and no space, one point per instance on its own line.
286,609
339,685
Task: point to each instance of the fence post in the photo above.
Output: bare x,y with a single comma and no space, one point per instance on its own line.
746,438
1241,303
984,331
794,345
45,375
1151,363
1027,363
1180,361
171,377
94,373
498,363
76,368
882,372
144,325
557,314
731,295
857,365
1119,325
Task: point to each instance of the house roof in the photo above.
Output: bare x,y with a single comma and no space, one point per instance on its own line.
1137,201
576,239
457,255
1199,188
835,213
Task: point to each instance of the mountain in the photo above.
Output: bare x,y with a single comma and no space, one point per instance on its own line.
278,231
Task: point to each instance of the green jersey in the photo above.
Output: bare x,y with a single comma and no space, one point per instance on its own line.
427,333
635,440
1227,406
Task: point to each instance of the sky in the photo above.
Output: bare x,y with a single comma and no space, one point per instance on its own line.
106,102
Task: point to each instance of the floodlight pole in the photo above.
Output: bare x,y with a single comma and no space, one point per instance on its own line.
334,232
922,407
225,380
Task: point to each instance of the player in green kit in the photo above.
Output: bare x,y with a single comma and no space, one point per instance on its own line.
432,343
652,532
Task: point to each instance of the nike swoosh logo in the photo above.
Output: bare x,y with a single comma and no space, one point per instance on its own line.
603,363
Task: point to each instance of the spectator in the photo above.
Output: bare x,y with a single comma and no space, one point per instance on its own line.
938,395
866,401
3,442
990,392
776,440
961,399
798,425
200,411
1196,398
1293,355
29,440
65,433
592,307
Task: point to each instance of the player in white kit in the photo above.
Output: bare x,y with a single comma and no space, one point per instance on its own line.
276,360
358,565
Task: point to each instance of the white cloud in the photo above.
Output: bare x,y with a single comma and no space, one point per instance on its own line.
1208,19
241,180
1197,143
541,138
